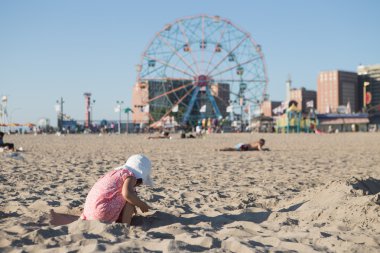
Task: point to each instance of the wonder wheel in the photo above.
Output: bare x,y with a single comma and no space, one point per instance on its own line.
202,67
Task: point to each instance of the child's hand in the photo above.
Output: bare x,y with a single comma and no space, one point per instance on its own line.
144,208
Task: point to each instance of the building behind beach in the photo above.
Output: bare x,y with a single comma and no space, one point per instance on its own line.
221,91
268,106
153,100
140,94
305,98
369,74
336,88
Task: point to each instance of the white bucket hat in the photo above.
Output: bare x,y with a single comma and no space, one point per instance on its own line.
141,166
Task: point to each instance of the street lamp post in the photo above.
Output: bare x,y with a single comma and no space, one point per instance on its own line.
119,105
127,122
127,111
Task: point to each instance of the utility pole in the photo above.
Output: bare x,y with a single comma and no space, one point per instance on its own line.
88,109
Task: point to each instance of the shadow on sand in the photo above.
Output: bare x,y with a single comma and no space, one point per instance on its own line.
159,219
370,186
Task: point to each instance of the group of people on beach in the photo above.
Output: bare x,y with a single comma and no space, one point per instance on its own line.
113,198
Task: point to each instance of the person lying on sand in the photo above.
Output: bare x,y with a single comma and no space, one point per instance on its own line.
184,136
113,198
6,146
164,135
254,146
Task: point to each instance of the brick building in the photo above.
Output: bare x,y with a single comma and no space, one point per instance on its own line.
221,92
267,107
370,74
302,96
336,88
152,99
140,95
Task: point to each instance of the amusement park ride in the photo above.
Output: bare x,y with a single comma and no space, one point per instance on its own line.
292,120
6,124
4,114
200,67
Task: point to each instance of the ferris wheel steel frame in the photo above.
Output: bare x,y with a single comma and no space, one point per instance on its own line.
172,56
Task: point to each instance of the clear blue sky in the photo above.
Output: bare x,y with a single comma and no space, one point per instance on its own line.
50,49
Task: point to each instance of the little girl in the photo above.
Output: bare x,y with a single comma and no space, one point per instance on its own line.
113,197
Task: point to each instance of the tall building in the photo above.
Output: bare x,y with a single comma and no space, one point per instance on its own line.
337,88
371,75
267,107
304,98
140,95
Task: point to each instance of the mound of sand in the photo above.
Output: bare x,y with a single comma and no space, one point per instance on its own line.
353,203
346,211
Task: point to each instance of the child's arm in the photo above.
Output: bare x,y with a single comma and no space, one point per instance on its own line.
130,195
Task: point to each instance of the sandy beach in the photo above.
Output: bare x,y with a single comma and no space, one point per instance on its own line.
309,193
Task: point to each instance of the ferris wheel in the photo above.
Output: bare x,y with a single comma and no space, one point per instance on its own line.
202,67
